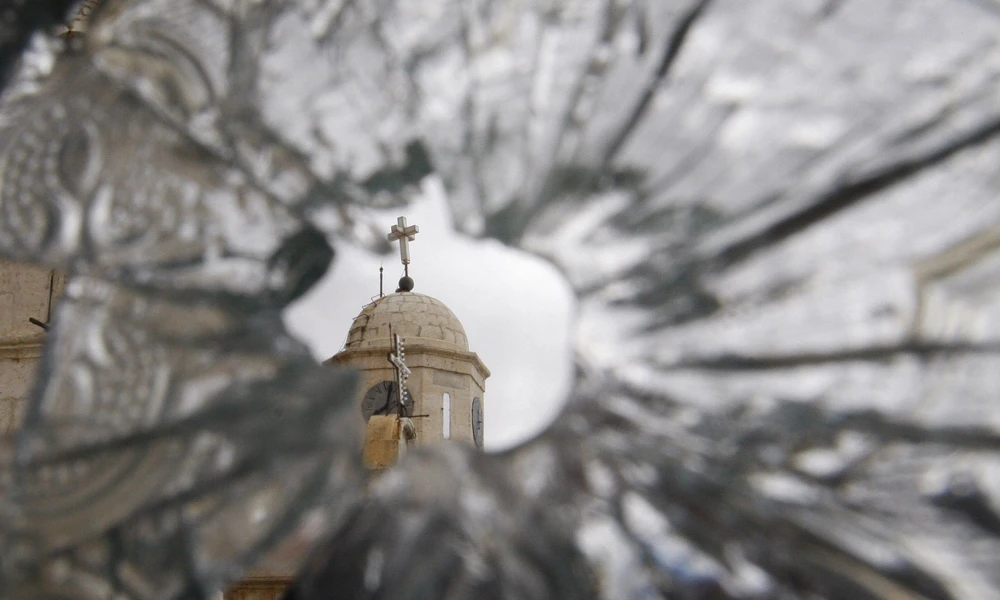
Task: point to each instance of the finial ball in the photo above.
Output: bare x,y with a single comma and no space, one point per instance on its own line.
406,284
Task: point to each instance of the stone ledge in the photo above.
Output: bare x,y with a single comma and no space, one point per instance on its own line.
259,587
412,348
22,348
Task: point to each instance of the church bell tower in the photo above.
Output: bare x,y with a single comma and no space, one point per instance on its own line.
420,384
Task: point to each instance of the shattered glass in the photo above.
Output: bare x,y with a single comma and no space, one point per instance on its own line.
779,218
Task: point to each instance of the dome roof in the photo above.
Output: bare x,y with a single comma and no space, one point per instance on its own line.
416,317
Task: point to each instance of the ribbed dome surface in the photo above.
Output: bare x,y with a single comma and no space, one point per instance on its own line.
416,317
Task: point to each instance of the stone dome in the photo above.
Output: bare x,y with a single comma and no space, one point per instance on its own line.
416,317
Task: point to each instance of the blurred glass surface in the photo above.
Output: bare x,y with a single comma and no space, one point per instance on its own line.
778,217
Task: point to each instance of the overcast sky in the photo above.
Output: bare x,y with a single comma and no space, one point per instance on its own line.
516,310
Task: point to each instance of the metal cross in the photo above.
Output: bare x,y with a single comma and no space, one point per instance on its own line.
397,358
405,234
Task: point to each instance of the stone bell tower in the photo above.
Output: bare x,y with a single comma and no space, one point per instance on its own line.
420,383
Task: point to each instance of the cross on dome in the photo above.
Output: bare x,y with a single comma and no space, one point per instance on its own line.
405,234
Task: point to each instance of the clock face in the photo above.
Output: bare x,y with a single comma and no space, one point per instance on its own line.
382,399
477,422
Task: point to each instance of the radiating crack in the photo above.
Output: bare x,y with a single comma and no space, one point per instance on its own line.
680,34
740,362
849,194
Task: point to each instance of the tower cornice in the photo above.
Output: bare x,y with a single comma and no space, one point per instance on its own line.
417,350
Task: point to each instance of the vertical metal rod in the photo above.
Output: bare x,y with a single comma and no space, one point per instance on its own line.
52,285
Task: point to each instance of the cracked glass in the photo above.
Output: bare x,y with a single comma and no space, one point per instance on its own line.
778,217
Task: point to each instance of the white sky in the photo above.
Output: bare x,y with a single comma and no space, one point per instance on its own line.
517,311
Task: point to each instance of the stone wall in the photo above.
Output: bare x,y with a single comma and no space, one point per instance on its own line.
25,292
